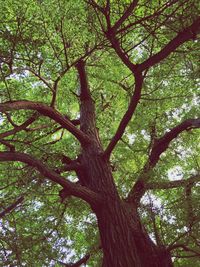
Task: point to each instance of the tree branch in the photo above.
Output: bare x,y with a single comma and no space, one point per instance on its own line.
84,88
87,107
172,184
159,11
49,112
127,116
73,166
78,263
162,143
184,248
158,148
95,5
126,14
20,127
11,207
183,36
83,260
74,189
186,35
120,52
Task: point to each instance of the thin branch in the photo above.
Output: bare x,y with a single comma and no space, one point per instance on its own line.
55,88
120,52
78,263
126,14
83,260
39,127
39,77
149,17
11,207
8,116
172,184
8,145
49,112
95,5
181,236
185,248
189,205
20,127
166,98
74,189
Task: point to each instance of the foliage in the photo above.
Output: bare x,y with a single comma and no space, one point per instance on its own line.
40,45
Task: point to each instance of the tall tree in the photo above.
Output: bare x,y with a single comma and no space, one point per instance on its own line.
99,141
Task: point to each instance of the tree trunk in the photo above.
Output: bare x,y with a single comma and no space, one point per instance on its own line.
125,243
123,239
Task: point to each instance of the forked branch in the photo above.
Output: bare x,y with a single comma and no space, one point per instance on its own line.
74,189
158,148
125,15
49,112
21,127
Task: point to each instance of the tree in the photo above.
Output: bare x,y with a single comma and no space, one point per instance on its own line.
99,133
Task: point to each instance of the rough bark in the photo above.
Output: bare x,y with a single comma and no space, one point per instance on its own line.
123,239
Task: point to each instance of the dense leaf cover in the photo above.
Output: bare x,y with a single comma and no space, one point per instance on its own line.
151,137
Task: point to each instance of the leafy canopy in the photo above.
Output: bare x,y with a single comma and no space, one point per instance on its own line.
40,44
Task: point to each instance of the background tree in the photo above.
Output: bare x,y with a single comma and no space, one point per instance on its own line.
99,133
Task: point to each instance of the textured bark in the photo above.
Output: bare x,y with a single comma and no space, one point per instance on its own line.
123,239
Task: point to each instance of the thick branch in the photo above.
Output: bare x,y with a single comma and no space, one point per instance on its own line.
158,148
74,189
87,107
84,88
73,166
162,143
11,207
49,112
186,35
127,116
